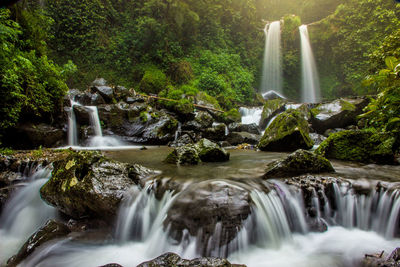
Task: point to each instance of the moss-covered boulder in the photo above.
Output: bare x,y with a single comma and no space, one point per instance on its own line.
271,109
298,163
211,152
288,132
87,184
362,146
337,114
202,120
218,132
184,155
236,138
190,154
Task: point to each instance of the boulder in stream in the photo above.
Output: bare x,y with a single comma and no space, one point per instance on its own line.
288,132
87,184
172,259
50,231
297,163
362,146
271,109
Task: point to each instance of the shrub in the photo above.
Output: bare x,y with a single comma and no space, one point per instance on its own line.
153,81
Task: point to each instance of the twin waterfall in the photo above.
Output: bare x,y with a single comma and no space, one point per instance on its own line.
272,70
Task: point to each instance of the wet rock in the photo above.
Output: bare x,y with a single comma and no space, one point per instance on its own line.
181,141
204,150
272,95
84,98
271,109
236,138
379,259
184,155
202,120
363,146
249,128
328,132
216,133
172,259
81,115
99,82
121,92
86,184
288,132
317,138
337,114
106,92
111,265
213,211
96,99
297,163
211,152
50,231
31,136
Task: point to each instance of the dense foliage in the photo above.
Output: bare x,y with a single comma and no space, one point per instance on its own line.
31,85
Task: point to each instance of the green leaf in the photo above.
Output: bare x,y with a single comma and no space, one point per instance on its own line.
391,62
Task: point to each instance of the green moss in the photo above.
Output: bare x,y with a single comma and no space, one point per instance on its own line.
207,99
363,146
288,132
233,115
346,105
6,151
144,116
153,81
169,127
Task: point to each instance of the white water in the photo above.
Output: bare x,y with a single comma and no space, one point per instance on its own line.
251,115
23,214
98,141
272,70
275,234
310,86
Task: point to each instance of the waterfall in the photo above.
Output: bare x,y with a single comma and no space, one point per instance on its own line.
272,70
72,131
251,115
23,214
178,131
95,120
310,86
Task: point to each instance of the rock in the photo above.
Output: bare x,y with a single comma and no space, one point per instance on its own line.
218,132
204,150
121,92
236,138
203,207
272,95
317,138
239,127
50,231
297,163
172,259
337,114
271,109
106,92
181,141
97,100
111,265
184,155
328,132
86,184
84,98
99,82
288,132
211,152
31,136
81,115
362,146
202,120
378,259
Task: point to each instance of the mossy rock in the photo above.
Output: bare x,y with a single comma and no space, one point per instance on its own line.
298,163
87,184
337,114
211,152
362,146
288,132
271,108
184,155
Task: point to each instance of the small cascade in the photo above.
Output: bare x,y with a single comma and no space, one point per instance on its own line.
95,120
178,131
272,70
23,214
226,130
251,115
310,86
72,131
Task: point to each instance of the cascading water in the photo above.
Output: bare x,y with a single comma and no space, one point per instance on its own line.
251,115
72,131
23,214
272,70
310,85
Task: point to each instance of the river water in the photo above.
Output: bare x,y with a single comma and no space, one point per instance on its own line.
274,235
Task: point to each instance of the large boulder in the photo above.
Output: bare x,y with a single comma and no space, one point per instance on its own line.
337,114
218,132
236,138
50,231
288,132
184,155
86,184
297,163
31,136
172,259
382,260
361,145
100,86
271,109
202,120
203,207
